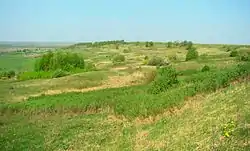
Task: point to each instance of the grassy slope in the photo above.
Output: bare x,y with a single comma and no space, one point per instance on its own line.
195,126
89,124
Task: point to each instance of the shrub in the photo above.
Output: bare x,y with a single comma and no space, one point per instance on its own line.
59,60
205,68
233,53
145,62
59,73
149,44
189,45
166,77
243,56
119,58
7,74
172,57
126,50
157,61
192,54
117,46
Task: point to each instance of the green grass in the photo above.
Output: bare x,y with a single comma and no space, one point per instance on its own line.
133,101
188,116
11,90
17,62
196,126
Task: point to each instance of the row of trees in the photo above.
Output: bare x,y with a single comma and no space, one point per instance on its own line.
169,44
173,44
101,43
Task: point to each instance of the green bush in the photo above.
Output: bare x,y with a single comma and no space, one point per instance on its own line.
205,68
119,58
233,53
157,61
59,60
126,50
59,73
243,56
172,57
192,54
166,77
7,74
189,45
149,44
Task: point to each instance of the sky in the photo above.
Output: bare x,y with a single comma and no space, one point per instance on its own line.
202,21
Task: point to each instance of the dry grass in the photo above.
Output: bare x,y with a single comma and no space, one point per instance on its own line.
111,82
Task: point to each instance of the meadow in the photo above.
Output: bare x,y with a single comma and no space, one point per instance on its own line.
117,95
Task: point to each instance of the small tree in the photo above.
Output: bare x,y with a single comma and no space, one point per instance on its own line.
166,77
151,44
189,45
169,44
192,54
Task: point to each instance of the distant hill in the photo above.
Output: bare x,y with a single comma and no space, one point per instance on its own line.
13,44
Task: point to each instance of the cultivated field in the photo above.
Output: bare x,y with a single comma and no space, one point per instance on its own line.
118,95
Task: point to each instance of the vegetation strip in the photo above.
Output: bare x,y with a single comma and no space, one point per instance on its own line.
138,101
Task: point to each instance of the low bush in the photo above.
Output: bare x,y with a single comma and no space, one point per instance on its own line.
145,62
205,68
172,57
118,58
7,74
166,77
127,50
157,61
233,53
192,54
243,56
59,73
212,80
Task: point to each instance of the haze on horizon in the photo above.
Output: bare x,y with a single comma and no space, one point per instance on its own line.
202,21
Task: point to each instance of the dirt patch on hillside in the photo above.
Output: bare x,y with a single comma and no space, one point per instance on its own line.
119,68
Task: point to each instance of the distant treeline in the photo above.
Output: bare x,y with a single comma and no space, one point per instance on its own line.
168,44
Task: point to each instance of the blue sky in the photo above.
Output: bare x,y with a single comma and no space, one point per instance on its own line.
203,21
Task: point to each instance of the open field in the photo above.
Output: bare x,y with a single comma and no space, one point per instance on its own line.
135,96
